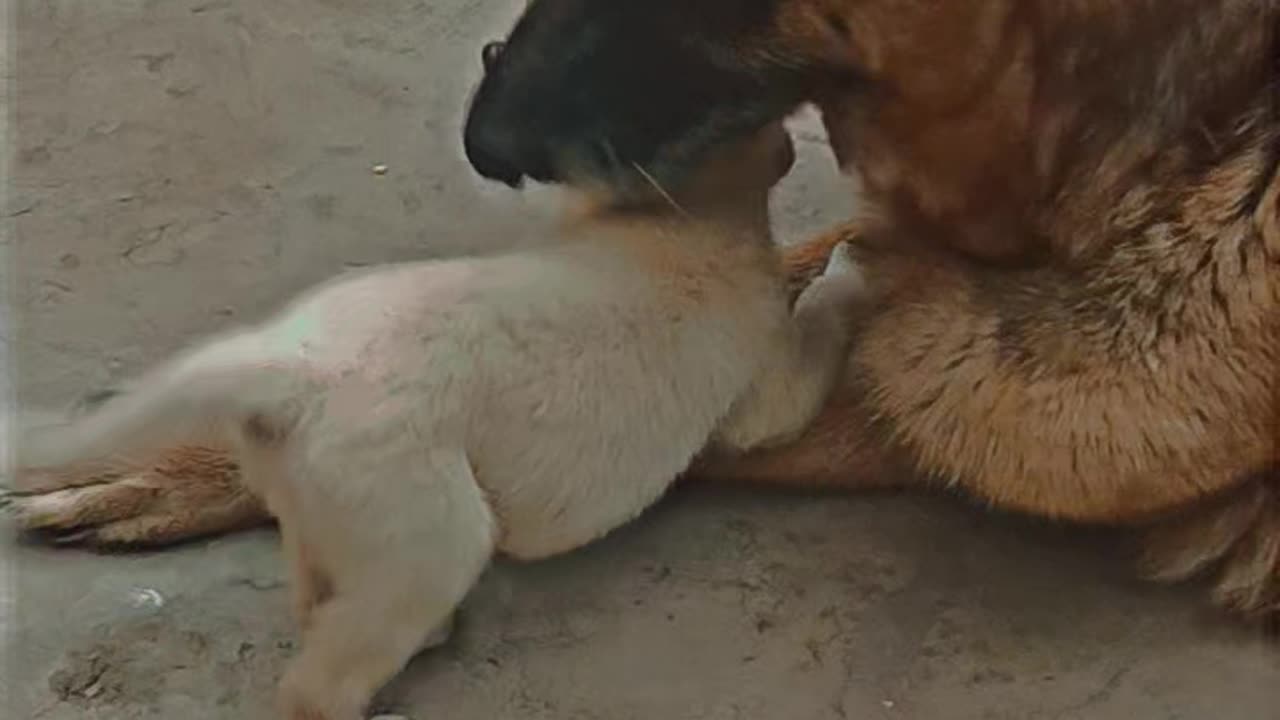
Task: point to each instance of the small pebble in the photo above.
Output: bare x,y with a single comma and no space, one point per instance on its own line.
888,704
389,717
146,597
379,169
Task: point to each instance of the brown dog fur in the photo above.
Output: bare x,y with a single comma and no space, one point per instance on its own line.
1072,213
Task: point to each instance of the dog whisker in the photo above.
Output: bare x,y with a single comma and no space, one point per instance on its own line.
661,190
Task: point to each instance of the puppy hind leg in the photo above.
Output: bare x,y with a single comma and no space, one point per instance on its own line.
309,586
404,558
268,474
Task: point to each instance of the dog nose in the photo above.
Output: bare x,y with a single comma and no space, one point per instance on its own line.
493,155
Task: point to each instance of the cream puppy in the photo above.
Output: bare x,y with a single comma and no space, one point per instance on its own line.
407,422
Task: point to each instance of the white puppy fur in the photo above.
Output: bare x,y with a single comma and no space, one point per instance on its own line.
405,423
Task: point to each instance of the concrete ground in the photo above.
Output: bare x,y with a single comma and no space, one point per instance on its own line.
182,164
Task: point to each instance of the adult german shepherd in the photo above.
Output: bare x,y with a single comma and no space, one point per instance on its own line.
1071,215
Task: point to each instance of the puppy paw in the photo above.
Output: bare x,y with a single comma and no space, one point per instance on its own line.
843,281
841,261
298,701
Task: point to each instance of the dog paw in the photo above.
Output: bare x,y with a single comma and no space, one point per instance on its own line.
1234,541
186,494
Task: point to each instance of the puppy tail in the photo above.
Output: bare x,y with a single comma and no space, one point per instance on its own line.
235,384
